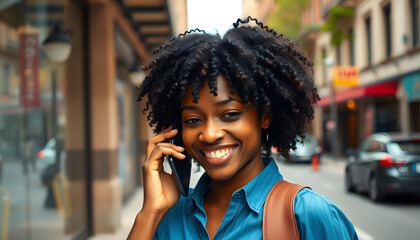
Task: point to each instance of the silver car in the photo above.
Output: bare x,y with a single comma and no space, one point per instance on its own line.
304,152
46,157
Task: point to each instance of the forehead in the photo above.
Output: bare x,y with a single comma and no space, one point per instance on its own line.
223,93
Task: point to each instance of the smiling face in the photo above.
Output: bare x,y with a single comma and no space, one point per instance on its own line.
222,134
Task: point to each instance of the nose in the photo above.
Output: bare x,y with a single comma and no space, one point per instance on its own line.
211,132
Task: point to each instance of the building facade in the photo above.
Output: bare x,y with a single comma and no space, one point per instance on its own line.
71,133
384,45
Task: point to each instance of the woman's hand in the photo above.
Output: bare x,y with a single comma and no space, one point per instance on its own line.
161,191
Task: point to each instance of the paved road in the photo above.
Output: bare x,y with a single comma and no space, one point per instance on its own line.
399,218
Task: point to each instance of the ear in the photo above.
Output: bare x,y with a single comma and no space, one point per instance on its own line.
266,120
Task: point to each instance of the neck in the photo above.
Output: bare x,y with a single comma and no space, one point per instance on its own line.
221,190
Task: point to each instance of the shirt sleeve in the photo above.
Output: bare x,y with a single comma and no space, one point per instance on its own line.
318,218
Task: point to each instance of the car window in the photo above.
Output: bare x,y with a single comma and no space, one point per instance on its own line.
50,144
401,147
309,139
376,146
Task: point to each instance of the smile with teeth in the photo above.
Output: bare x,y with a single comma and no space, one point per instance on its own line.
218,153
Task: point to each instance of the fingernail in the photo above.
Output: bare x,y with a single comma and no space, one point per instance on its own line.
182,154
181,148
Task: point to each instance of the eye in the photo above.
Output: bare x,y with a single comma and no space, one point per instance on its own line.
192,121
231,116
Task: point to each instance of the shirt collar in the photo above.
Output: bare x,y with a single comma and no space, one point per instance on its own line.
256,190
200,189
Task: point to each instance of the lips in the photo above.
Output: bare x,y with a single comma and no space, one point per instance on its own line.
218,155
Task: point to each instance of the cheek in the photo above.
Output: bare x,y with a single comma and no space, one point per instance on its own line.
188,140
248,132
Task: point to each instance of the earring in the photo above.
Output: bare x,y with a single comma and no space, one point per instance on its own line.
267,133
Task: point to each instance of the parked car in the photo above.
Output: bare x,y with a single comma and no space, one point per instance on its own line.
1,167
385,164
305,151
46,157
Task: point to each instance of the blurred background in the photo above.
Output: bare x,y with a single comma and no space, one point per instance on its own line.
72,135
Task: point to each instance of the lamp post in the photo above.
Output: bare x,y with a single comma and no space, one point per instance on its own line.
136,75
328,62
57,47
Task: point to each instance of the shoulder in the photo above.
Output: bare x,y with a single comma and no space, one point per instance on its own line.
318,218
310,203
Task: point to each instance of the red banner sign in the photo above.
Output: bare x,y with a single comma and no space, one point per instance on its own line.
29,70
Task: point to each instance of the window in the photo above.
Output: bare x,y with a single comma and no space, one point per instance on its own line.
351,47
387,22
317,10
5,81
324,68
415,116
415,22
376,146
338,54
368,40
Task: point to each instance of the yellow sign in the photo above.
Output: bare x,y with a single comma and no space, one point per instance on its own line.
346,76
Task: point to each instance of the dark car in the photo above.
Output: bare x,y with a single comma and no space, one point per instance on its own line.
385,164
1,167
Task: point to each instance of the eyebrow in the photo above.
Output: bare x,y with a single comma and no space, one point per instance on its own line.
220,103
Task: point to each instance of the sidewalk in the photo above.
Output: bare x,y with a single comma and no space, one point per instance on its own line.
133,206
130,210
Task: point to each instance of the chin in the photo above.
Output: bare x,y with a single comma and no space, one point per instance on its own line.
220,174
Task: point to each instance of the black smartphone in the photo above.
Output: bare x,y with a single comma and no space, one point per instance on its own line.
181,168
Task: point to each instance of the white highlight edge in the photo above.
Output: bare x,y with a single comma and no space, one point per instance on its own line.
363,235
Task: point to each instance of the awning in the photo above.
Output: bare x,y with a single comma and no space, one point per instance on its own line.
378,90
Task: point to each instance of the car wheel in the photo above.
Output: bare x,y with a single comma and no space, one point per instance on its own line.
375,194
349,185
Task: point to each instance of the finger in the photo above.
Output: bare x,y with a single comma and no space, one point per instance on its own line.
162,151
167,129
171,145
161,137
166,145
156,157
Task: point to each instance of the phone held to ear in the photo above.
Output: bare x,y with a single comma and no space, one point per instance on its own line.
181,168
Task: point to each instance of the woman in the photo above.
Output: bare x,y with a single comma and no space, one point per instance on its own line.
249,90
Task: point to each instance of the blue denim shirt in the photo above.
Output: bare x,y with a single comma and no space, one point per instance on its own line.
316,216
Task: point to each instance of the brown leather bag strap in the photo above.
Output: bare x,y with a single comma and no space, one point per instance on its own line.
279,215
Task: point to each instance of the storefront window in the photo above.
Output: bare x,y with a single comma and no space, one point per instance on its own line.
35,196
126,108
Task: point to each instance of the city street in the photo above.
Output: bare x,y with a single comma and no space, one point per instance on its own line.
397,218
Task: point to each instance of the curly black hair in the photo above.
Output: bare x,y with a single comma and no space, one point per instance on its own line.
264,68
